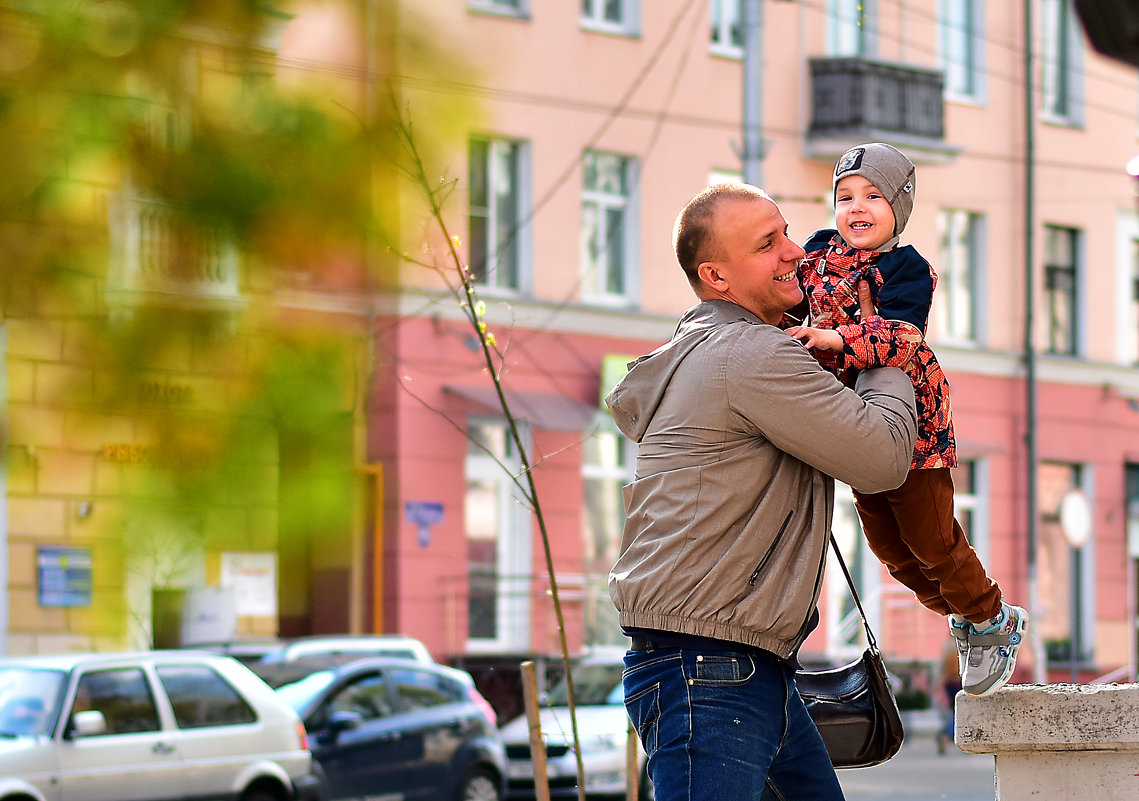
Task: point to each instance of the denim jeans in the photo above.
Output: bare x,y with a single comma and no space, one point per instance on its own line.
725,725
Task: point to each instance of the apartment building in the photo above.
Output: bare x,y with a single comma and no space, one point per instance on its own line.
582,129
598,120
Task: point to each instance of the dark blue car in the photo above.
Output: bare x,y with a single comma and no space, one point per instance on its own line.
393,727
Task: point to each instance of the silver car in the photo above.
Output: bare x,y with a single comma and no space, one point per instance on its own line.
602,726
150,725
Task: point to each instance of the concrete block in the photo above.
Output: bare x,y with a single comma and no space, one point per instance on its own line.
1058,741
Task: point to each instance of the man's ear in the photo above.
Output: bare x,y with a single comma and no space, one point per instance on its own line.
711,276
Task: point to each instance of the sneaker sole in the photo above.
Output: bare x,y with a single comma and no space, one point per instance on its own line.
1010,666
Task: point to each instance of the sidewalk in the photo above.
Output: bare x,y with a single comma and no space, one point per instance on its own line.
919,773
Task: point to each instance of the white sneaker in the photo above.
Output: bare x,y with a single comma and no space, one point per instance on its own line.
992,651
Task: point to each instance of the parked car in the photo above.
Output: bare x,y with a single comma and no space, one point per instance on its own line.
154,725
396,728
602,725
291,660
357,645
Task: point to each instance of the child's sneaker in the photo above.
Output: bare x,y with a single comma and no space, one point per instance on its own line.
992,651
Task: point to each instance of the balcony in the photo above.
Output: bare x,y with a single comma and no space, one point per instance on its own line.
855,100
160,259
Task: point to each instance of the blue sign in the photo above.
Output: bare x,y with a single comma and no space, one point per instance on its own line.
64,576
423,514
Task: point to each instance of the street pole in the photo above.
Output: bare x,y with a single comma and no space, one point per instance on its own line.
1039,657
753,92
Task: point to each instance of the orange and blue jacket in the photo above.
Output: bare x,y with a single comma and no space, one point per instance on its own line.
901,286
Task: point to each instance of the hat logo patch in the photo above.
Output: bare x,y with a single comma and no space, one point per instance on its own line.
851,161
909,187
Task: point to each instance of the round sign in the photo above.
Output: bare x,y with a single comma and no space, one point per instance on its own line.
1076,517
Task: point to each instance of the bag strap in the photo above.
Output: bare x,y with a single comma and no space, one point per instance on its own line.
870,641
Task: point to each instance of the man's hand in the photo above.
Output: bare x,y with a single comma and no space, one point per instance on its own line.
820,338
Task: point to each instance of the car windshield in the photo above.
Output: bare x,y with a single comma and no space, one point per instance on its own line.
28,698
593,685
299,693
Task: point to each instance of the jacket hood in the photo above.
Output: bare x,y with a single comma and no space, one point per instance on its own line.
635,399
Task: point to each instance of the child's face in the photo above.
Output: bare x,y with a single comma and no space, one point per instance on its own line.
864,217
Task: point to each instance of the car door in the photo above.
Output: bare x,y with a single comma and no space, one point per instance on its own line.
134,758
368,758
435,719
217,729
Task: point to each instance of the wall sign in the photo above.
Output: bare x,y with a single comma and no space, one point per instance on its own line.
64,576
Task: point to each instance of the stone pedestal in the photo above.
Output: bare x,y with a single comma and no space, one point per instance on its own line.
1056,741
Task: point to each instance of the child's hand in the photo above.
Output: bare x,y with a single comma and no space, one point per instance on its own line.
820,338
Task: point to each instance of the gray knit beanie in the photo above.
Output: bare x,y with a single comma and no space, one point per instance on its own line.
884,166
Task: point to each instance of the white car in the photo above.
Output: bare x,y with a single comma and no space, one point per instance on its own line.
602,725
350,645
151,725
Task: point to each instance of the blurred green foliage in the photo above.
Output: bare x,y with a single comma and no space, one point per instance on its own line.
160,188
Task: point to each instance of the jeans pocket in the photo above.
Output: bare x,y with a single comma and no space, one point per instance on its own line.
727,670
644,710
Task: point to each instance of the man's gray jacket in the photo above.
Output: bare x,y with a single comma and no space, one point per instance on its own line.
739,432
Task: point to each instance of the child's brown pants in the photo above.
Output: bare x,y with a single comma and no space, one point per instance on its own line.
913,533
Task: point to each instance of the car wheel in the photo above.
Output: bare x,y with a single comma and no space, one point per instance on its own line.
258,794
480,786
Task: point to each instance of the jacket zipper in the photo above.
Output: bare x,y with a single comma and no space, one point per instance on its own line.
767,556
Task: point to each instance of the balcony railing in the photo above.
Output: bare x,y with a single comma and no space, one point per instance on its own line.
159,258
855,100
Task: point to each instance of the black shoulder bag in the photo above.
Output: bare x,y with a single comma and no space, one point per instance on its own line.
853,706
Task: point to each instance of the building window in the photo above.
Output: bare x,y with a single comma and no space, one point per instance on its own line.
1062,59
497,235
727,27
970,507
606,229
1061,284
957,298
1066,572
512,8
612,16
849,31
608,461
962,37
497,525
1132,294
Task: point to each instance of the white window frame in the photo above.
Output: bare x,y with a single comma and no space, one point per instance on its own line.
962,235
594,281
593,17
495,282
599,610
844,632
506,8
721,13
513,548
1079,280
961,36
976,502
1127,287
851,28
1062,64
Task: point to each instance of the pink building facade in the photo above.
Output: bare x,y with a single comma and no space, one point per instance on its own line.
565,139
594,123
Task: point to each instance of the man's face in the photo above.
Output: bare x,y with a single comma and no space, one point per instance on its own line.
757,261
862,213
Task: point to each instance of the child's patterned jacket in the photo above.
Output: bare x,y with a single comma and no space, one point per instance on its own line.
901,286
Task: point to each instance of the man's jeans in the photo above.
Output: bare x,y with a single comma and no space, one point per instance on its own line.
725,725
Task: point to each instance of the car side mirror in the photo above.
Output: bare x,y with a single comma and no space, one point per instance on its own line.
343,721
86,724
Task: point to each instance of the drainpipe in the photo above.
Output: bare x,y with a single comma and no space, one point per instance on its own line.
5,425
753,92
1039,657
